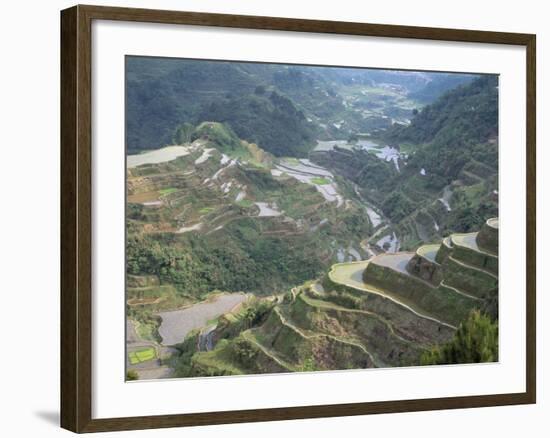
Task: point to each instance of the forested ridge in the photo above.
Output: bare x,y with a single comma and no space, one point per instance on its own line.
465,115
283,108
269,119
450,144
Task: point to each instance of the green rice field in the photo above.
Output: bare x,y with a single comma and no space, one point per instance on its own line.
142,355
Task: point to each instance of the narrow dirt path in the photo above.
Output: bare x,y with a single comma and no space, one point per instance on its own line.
296,329
327,305
247,335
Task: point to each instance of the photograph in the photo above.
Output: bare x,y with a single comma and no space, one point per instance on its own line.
271,220
286,218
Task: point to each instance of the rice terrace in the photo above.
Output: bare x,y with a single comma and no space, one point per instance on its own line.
287,218
142,355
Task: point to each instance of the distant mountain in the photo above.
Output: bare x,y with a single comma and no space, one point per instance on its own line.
448,172
163,93
283,108
468,113
439,83
268,119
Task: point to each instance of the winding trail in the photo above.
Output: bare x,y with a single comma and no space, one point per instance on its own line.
250,338
299,331
327,305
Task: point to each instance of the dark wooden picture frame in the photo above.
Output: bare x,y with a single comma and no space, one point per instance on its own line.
76,218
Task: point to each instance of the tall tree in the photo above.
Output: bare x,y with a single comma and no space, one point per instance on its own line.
476,340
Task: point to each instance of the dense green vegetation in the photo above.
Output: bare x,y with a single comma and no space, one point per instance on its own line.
472,207
451,144
236,250
465,115
164,97
183,133
220,136
475,341
132,375
147,322
397,206
182,362
161,94
453,131
237,260
188,362
241,210
164,94
271,121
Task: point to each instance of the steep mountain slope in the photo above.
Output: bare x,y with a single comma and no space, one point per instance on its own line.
467,114
163,94
438,85
231,195
388,311
447,177
227,215
283,108
270,120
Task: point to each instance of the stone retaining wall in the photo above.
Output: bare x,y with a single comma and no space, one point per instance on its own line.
424,269
487,237
443,253
476,258
474,282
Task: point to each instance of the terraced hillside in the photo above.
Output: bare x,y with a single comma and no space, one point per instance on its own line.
220,215
383,312
297,218
435,176
444,281
419,210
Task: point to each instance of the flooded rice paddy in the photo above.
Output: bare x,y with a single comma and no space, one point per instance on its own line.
176,324
157,156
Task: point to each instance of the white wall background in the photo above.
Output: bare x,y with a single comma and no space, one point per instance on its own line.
29,186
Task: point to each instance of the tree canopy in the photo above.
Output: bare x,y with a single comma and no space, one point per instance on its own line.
475,341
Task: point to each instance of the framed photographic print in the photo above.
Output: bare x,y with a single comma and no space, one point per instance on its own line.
268,218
